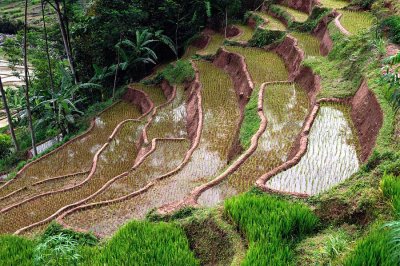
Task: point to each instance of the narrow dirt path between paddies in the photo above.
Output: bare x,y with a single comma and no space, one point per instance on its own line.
352,22
219,120
115,157
75,156
120,150
285,107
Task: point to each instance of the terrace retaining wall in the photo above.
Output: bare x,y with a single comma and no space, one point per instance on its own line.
322,33
367,117
235,65
292,55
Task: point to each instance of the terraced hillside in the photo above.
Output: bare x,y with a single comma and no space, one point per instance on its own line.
267,119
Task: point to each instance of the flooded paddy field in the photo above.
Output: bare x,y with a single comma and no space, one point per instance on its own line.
117,157
76,156
221,113
331,155
286,107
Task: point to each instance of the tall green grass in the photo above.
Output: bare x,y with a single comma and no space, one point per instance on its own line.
143,243
271,225
137,243
380,246
16,251
390,186
374,249
251,121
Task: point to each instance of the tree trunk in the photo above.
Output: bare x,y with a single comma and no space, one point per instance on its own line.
115,77
48,54
226,21
8,113
64,35
28,108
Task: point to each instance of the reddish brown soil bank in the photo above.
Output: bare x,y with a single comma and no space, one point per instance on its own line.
302,5
202,41
192,109
167,89
322,33
138,98
236,67
292,55
367,117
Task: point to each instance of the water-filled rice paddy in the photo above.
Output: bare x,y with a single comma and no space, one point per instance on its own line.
296,14
246,33
308,43
78,155
170,120
356,21
272,23
331,156
335,4
117,158
264,66
221,114
286,107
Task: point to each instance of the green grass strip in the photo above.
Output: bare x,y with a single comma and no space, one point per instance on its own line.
271,225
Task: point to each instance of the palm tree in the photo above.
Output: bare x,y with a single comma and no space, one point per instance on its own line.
28,108
138,52
8,113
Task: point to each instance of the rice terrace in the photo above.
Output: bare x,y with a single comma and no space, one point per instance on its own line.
206,132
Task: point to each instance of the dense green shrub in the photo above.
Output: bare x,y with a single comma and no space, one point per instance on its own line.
364,4
5,145
9,26
178,72
16,251
263,37
392,26
271,225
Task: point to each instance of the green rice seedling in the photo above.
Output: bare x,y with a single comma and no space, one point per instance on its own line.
215,43
245,35
78,155
286,107
263,66
308,43
170,121
16,250
390,186
117,158
221,116
356,21
154,92
296,14
251,121
331,155
143,243
31,191
271,226
373,249
272,23
334,4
